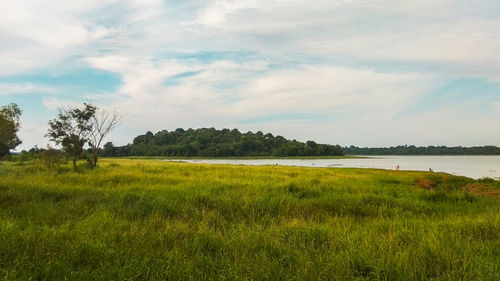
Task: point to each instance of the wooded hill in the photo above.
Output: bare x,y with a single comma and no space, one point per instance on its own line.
422,150
209,142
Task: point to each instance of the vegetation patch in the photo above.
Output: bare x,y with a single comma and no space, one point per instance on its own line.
480,189
210,142
425,184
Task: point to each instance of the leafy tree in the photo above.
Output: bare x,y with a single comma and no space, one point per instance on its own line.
72,129
9,126
108,149
102,123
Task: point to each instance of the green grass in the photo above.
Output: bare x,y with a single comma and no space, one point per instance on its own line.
155,220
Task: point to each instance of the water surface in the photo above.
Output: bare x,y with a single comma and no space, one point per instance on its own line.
469,166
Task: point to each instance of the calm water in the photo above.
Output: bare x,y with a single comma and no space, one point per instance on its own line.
469,166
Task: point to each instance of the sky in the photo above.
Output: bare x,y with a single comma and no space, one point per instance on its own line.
348,72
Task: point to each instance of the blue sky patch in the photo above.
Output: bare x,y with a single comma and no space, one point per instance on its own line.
175,80
31,105
85,80
212,56
476,92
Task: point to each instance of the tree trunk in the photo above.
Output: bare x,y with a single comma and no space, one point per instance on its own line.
74,163
94,157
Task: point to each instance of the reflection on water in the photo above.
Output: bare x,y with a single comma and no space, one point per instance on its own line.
469,166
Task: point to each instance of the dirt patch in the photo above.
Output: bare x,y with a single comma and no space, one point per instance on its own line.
425,184
481,190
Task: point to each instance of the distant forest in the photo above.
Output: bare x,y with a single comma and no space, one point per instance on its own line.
209,142
422,150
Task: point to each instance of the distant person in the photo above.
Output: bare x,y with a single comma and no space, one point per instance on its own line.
397,168
430,170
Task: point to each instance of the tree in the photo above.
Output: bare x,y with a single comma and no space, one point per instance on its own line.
102,122
72,129
9,126
108,149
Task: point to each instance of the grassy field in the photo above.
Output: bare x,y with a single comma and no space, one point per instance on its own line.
154,220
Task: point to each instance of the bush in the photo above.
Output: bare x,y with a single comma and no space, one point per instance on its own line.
51,158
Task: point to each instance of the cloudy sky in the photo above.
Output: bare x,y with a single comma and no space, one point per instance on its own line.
361,72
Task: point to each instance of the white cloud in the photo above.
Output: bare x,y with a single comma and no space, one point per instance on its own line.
41,34
57,103
464,39
198,101
25,88
333,89
496,107
32,133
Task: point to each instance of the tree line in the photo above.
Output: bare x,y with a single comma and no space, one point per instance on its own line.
79,132
422,150
210,142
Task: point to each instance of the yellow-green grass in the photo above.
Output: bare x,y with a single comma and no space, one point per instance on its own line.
155,220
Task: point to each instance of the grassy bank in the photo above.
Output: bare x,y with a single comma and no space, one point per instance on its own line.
147,220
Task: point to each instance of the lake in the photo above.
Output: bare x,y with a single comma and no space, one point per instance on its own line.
470,166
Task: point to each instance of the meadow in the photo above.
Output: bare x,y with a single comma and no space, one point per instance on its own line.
137,219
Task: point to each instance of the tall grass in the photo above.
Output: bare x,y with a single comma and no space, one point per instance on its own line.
152,220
